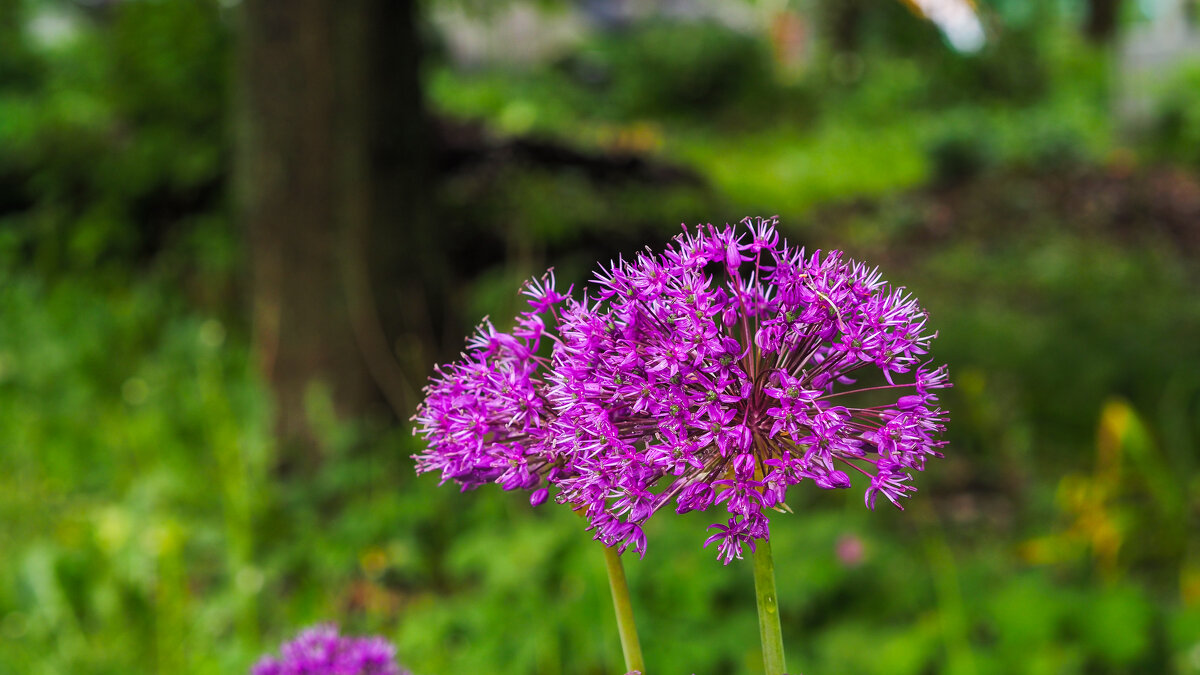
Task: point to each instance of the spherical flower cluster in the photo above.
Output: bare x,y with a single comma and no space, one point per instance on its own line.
718,372
321,651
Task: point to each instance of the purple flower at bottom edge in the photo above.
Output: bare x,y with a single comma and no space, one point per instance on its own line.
319,650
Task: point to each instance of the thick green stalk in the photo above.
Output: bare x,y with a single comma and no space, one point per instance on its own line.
624,610
769,629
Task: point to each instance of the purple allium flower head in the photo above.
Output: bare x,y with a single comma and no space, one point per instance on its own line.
722,371
321,651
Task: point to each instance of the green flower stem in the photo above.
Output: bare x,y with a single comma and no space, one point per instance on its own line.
624,610
769,629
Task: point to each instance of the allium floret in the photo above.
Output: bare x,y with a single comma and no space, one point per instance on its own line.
717,372
484,416
321,651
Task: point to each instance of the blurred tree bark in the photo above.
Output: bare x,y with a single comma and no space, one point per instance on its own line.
333,166
842,24
1102,20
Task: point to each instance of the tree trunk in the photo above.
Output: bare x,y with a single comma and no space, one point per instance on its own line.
1102,20
318,80
842,24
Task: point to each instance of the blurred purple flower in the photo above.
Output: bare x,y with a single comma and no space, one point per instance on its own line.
321,651
850,550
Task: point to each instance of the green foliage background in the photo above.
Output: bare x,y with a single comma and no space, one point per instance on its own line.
145,527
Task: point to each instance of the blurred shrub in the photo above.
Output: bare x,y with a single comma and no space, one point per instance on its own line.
684,72
116,138
132,437
966,147
1175,125
687,69
960,152
1011,67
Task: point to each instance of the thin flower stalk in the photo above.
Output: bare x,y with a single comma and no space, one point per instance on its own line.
631,647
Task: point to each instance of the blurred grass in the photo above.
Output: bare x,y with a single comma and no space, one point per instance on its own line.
146,533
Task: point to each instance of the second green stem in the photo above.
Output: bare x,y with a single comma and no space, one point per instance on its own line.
769,628
624,610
